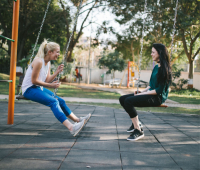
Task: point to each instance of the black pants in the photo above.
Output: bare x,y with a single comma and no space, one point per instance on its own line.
130,101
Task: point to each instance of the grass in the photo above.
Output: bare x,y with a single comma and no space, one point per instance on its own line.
4,86
72,91
185,96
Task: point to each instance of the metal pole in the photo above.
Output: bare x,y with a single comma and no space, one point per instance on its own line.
88,73
13,59
128,74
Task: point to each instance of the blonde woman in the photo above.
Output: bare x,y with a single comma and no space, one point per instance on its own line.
38,76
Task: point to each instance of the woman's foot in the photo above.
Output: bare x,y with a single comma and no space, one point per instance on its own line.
137,134
77,127
87,117
131,129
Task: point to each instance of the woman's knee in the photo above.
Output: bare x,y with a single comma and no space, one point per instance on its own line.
121,100
61,101
53,102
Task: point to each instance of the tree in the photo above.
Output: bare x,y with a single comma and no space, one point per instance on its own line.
113,61
159,25
30,18
87,7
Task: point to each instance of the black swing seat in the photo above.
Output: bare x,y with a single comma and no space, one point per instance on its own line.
21,97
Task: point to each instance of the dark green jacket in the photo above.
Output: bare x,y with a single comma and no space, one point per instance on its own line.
161,89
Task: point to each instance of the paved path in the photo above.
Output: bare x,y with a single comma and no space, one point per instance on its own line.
37,141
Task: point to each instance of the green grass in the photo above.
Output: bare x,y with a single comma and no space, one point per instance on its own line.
147,109
72,91
186,96
4,86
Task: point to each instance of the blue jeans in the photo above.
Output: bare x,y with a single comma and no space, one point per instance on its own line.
46,97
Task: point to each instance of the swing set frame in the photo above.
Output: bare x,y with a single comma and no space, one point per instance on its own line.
13,59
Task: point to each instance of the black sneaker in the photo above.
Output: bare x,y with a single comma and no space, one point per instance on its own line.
136,135
131,129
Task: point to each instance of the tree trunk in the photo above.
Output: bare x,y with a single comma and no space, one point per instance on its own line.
190,75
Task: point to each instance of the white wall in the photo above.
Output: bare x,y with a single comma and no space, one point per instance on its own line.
144,75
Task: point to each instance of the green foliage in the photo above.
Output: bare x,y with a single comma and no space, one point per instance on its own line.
113,61
30,19
158,27
5,65
176,73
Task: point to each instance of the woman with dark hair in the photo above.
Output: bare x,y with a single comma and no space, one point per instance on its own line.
154,95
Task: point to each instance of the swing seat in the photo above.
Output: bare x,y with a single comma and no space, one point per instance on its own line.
162,105
21,97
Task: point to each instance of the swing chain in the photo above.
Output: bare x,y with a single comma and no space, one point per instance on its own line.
174,29
140,59
67,48
20,91
40,31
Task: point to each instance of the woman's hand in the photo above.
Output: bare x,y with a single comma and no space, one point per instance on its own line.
136,92
55,84
60,68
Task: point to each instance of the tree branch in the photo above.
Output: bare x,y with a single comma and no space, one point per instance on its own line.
196,53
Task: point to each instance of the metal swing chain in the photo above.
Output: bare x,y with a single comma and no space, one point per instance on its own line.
40,31
140,59
67,48
174,26
20,91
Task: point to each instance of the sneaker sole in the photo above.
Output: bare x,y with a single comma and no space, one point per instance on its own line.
136,138
88,118
76,133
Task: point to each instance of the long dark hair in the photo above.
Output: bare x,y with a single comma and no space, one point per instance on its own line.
164,72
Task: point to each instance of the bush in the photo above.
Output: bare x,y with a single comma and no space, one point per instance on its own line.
176,73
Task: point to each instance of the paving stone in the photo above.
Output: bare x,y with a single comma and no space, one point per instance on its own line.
144,159
4,152
138,146
56,134
49,143
50,154
13,141
94,156
37,140
186,160
110,145
186,149
25,164
66,165
152,167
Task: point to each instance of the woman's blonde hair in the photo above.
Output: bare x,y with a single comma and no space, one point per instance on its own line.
45,47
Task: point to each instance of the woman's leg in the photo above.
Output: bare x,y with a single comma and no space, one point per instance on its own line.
34,93
64,107
122,99
139,101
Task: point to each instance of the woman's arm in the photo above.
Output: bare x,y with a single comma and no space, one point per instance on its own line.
145,90
152,92
37,65
50,77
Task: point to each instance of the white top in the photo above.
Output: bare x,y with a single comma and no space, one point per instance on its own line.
27,82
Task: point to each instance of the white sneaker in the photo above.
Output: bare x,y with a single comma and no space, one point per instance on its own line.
77,127
85,117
